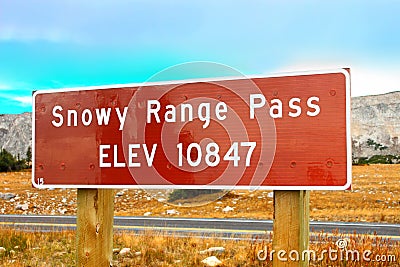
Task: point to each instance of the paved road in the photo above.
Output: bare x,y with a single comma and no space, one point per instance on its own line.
227,228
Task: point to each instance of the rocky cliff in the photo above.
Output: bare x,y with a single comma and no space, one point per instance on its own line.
375,127
16,133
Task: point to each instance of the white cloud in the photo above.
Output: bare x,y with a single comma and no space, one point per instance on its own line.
24,100
365,80
31,34
4,87
374,81
85,22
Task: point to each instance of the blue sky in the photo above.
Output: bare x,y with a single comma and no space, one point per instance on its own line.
54,44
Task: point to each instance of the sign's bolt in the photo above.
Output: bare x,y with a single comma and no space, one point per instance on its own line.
275,93
260,164
329,163
43,109
41,167
332,92
62,166
97,228
219,96
169,165
78,105
293,164
91,166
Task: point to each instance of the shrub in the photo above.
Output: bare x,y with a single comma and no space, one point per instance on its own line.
190,193
9,163
377,159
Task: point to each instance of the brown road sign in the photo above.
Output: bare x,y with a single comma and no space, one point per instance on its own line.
289,131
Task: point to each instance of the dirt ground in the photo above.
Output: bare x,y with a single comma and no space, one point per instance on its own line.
375,197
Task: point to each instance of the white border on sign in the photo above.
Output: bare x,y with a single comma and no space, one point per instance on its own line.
239,187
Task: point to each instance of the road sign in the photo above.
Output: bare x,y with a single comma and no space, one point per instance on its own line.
288,131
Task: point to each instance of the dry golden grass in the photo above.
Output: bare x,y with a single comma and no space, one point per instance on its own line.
156,249
37,249
375,197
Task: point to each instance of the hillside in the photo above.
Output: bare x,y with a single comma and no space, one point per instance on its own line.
375,127
16,133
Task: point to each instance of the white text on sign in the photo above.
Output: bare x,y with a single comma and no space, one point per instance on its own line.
184,112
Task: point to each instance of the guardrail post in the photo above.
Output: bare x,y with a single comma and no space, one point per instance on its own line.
94,234
291,228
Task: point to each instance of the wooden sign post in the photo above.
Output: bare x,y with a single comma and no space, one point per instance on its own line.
94,234
291,228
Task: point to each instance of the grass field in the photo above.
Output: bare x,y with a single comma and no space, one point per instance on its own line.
155,249
375,197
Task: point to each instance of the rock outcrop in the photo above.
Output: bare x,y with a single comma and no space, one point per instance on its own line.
375,126
16,133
